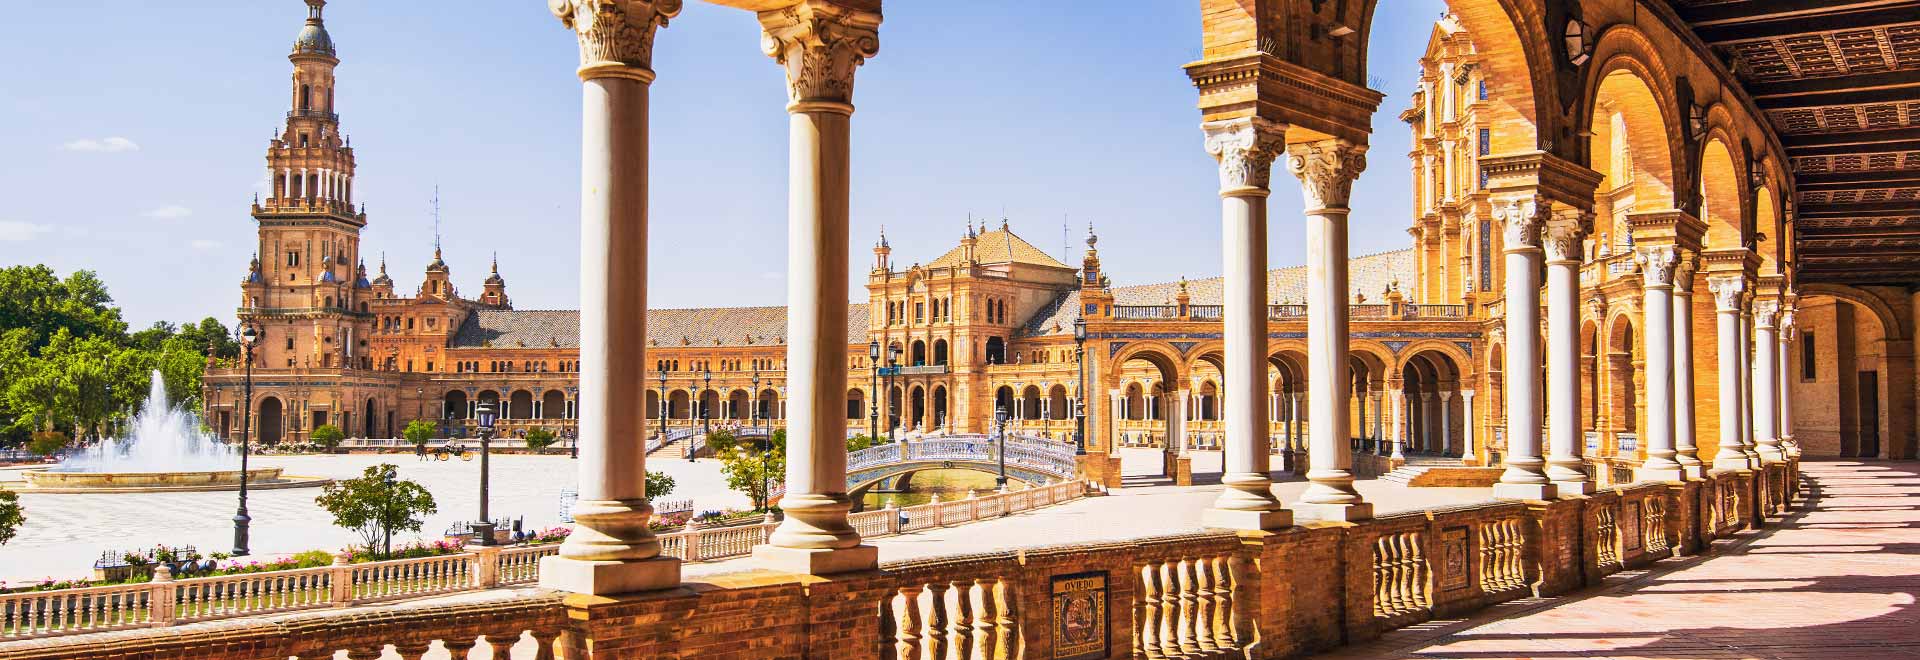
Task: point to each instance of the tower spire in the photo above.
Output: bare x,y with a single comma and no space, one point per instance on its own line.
436,222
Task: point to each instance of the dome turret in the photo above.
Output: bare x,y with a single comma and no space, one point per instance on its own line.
313,39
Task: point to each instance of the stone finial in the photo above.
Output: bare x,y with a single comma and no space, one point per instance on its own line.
616,36
821,44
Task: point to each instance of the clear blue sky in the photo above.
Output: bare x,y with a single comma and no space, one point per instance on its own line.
134,146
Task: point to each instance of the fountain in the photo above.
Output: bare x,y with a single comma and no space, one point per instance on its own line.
166,451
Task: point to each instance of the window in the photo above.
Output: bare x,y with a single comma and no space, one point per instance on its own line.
1483,90
289,342
1809,357
1486,141
293,259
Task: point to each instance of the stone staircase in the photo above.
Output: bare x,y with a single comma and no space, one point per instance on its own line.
1418,466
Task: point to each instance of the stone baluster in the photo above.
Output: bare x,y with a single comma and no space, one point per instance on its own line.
1326,170
821,44
1245,149
611,550
1521,218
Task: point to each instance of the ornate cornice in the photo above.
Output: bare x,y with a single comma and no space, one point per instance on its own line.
1543,174
1245,149
616,36
1326,170
821,44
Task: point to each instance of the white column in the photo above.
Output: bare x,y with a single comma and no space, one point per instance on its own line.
1326,171
1657,263
1788,331
1564,240
1747,441
1727,290
1523,479
1467,450
1766,380
1177,424
1380,439
1446,423
1431,412
821,45
1687,450
1398,433
611,551
1361,415
1245,149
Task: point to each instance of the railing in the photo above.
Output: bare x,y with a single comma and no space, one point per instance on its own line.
1434,311
1208,594
1369,311
1593,443
1039,455
166,601
1286,312
1206,312
1626,443
925,370
1145,312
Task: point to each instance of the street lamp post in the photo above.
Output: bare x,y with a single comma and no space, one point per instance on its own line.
1000,434
663,405
706,417
241,521
696,400
893,367
483,529
1080,386
873,412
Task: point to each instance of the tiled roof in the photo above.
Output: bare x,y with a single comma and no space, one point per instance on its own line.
718,326
998,247
1370,275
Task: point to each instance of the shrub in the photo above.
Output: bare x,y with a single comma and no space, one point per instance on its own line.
377,504
47,443
419,431
539,438
328,436
313,559
12,516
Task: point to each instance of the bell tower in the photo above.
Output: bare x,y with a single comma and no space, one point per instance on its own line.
305,293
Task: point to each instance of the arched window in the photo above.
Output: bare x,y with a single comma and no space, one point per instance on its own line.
306,97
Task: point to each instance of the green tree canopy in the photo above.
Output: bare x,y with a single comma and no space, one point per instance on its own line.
540,438
327,435
377,504
11,515
419,431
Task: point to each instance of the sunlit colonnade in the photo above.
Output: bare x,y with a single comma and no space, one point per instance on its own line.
1276,88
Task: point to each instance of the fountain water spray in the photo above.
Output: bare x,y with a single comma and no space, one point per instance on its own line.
163,440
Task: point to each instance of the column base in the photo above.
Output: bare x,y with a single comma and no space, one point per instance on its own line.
1771,455
1507,491
1573,488
1734,462
607,578
1332,512
1694,471
816,561
1246,520
1660,474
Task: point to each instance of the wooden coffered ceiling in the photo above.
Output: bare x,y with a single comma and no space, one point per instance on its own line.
1840,81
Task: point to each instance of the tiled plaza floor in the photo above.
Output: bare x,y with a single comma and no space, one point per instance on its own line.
1838,578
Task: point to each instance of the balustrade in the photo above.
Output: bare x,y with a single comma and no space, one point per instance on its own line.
1185,608
1503,556
1653,526
1607,528
1400,575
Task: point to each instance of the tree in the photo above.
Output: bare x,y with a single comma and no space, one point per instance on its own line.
659,484
721,441
11,515
47,443
419,431
751,467
377,504
540,438
327,435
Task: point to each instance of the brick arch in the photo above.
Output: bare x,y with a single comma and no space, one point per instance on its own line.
1631,75
1723,180
1161,355
1462,363
1889,320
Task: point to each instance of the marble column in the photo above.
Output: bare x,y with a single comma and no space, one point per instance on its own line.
1430,412
1523,479
1467,451
1245,149
1362,416
1326,170
820,44
1747,440
1446,423
1727,291
1177,424
1788,331
1657,263
1686,449
1380,442
1563,242
611,550
1399,430
1766,380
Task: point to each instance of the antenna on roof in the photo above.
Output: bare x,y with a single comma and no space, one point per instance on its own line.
1066,241
436,221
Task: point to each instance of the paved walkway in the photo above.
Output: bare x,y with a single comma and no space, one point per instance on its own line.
1839,578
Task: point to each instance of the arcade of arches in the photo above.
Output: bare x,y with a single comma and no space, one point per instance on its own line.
1603,288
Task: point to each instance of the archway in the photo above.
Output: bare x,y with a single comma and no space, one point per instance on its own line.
917,356
1623,370
940,351
940,407
768,404
856,404
679,405
1154,366
1721,183
709,407
1003,401
917,409
553,405
1134,406
996,350
1631,146
1850,376
1057,402
519,406
454,405
1030,403
272,422
369,419
737,402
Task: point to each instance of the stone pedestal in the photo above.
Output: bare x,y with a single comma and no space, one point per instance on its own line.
608,577
816,561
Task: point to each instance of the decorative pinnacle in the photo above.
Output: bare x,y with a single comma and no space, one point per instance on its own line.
496,262
314,8
1091,237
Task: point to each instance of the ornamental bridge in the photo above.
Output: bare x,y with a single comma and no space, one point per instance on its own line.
890,467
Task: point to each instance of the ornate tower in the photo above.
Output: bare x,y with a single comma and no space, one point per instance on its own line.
495,293
303,293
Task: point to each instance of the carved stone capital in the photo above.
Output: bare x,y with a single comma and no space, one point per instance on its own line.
1657,263
821,44
1787,322
1764,313
1727,291
616,36
1564,241
1683,272
1521,217
1246,149
1326,170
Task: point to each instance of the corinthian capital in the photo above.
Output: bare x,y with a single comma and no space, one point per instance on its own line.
1246,149
1326,170
615,35
1727,291
1657,263
1520,218
1564,239
1683,272
821,44
1764,312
